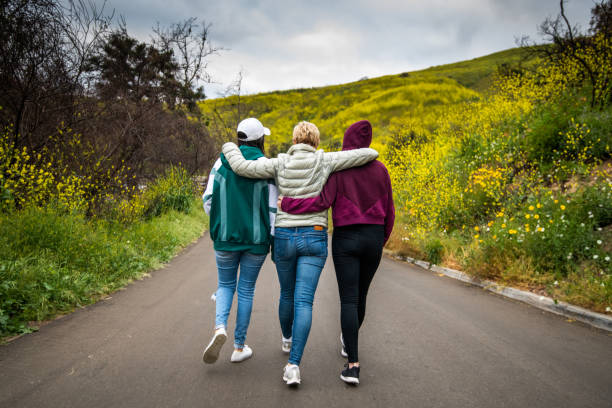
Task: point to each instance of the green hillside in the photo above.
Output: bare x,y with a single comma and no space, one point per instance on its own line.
385,101
477,73
500,165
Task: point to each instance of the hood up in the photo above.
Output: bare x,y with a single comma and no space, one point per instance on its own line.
358,135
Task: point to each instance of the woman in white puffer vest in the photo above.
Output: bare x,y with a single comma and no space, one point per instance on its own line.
300,243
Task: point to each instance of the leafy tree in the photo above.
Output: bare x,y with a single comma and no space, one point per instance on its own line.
133,70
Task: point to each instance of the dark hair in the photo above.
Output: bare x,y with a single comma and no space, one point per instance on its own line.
259,143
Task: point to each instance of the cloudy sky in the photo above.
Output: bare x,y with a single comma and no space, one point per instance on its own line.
288,44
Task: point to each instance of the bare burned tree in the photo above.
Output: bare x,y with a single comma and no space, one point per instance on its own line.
235,89
43,49
31,67
568,41
226,118
86,25
601,19
190,43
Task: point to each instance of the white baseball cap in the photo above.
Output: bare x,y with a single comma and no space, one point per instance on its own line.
253,129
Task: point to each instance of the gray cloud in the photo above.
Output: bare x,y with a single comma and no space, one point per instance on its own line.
287,44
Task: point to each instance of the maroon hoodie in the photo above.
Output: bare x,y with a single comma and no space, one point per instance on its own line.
361,195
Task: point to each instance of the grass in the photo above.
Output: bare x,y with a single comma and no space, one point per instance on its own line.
51,263
477,73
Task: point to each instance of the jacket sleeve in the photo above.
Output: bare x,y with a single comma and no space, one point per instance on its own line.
350,158
272,198
323,201
389,211
258,169
207,196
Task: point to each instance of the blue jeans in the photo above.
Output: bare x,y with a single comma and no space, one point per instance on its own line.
227,269
300,255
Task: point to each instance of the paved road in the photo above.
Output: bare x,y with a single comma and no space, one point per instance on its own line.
428,341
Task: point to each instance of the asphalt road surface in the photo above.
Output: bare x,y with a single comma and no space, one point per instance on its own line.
428,341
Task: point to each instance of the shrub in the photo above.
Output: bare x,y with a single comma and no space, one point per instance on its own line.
434,250
172,191
39,179
558,232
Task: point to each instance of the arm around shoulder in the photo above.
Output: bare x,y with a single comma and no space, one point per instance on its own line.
258,169
351,158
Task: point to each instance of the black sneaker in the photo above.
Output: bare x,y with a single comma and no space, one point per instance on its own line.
350,375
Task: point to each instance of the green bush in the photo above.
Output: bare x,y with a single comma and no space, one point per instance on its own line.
560,234
173,191
52,262
434,250
600,131
543,136
566,131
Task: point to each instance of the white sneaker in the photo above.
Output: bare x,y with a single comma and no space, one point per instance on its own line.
238,356
291,374
213,297
343,352
286,344
211,354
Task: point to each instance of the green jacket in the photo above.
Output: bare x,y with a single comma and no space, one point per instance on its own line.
239,208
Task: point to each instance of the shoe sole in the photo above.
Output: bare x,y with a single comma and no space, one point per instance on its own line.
211,354
292,382
349,380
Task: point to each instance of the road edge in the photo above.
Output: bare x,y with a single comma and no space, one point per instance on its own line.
548,304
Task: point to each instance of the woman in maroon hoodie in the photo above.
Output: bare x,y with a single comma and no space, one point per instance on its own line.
363,216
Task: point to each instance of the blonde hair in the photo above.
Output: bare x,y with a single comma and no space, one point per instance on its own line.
306,132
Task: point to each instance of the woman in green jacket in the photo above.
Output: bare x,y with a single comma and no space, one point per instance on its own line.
241,214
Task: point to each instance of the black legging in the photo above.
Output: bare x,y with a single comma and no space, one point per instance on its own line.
356,250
